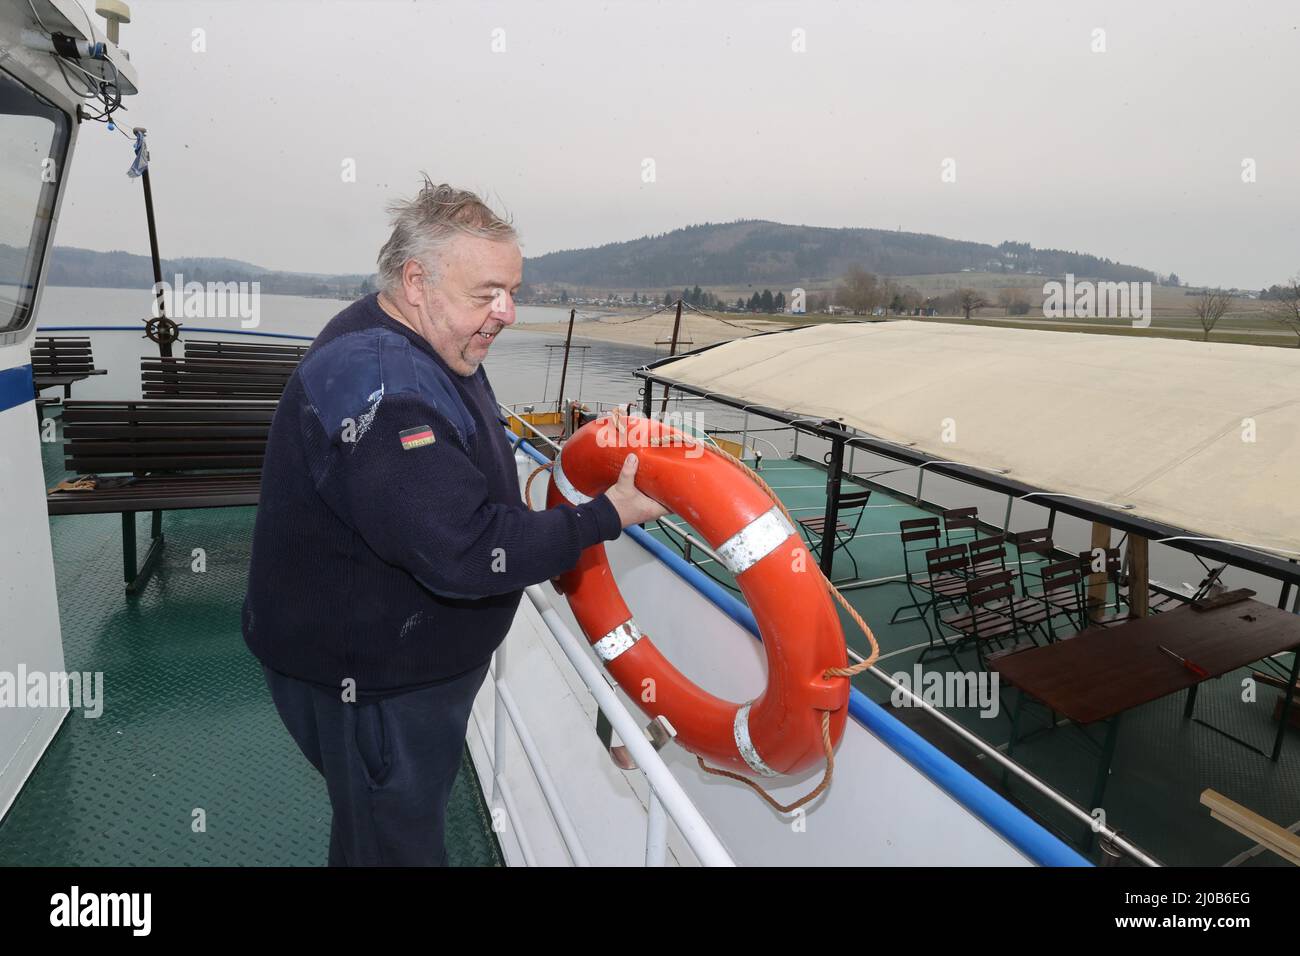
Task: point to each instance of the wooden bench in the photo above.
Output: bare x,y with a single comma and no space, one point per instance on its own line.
160,456
212,348
250,379
59,362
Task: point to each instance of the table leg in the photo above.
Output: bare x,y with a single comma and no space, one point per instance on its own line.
1286,704
1107,754
1191,701
1015,732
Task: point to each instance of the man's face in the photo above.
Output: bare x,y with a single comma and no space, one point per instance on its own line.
471,301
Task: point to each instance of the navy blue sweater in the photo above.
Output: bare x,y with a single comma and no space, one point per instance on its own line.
391,544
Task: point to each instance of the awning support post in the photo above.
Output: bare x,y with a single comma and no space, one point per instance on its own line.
1097,583
1139,578
834,472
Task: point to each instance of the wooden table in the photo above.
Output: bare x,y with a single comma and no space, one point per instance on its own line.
1103,672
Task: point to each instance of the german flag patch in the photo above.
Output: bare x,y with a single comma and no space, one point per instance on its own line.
416,437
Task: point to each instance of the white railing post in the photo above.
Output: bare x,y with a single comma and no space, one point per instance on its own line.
499,719
690,822
656,832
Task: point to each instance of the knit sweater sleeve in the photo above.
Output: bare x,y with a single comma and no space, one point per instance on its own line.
405,481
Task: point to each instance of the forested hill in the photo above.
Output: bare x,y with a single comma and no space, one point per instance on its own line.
126,270
749,252
757,251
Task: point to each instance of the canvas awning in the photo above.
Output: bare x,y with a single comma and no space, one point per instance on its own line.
1192,435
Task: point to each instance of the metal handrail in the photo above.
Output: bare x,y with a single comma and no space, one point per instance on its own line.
666,794
664,787
529,425
1109,834
505,707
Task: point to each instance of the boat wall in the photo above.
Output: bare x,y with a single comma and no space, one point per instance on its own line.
30,639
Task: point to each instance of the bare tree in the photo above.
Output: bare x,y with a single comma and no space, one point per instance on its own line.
1209,308
1285,309
858,291
1014,301
906,300
971,300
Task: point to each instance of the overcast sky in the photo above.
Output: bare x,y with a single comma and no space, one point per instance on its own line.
1134,153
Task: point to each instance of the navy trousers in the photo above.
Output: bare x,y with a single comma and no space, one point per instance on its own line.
388,765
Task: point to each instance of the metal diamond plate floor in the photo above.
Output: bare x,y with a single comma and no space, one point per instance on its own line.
187,725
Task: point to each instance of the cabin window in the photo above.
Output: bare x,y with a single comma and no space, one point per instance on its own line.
33,148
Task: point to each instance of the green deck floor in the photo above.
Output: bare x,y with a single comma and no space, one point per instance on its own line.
1162,762
187,724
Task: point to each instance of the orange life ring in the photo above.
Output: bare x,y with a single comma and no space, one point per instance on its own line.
778,732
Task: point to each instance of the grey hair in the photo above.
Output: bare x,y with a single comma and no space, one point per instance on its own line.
426,224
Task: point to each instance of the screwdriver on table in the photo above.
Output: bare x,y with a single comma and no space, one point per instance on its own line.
1196,669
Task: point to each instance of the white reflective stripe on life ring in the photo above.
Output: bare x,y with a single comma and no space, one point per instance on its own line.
755,541
617,641
571,494
746,746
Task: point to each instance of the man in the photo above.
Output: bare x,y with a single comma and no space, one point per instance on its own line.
392,545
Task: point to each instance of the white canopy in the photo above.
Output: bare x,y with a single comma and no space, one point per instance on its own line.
1200,436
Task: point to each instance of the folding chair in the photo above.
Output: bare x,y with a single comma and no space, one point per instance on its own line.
1061,594
917,535
945,581
960,525
1028,543
987,556
1107,568
991,614
814,529
1208,587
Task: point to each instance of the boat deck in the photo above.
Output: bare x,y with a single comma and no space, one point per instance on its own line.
1161,761
187,723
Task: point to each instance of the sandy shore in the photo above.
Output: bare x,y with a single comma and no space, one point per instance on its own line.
696,330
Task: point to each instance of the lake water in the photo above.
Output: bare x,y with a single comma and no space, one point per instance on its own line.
524,366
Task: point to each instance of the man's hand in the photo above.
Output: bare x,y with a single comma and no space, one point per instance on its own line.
632,506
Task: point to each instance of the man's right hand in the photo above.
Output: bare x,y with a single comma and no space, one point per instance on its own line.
632,506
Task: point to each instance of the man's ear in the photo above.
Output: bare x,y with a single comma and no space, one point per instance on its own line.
413,280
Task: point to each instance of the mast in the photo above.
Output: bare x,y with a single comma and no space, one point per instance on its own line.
568,341
672,350
162,328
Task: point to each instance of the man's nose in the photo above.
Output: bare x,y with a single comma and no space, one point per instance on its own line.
505,314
